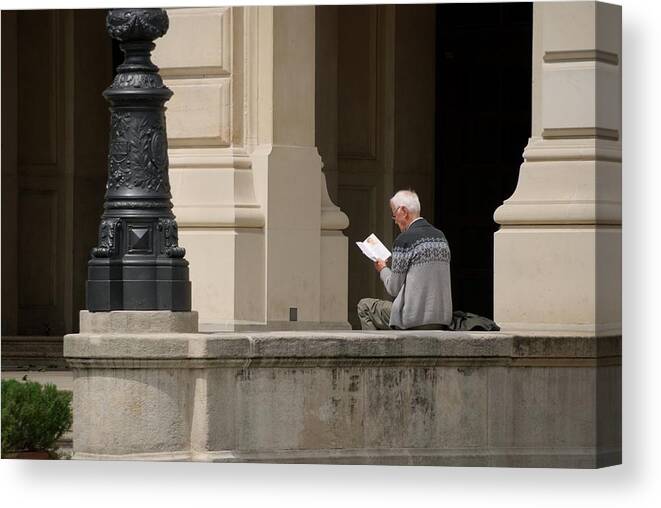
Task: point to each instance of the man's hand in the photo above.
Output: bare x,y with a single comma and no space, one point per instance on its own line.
379,264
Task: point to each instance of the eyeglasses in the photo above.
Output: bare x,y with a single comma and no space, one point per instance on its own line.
395,212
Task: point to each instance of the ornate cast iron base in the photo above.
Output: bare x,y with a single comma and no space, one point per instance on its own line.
138,264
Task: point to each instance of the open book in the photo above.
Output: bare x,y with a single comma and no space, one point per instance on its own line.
373,248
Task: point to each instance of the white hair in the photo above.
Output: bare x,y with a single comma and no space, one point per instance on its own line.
408,199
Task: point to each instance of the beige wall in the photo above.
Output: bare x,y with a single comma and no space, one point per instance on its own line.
261,232
220,220
558,252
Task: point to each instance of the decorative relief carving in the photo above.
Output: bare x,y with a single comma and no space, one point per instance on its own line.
170,239
138,152
108,238
136,24
137,204
137,80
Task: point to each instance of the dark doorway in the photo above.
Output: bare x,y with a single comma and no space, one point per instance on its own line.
483,104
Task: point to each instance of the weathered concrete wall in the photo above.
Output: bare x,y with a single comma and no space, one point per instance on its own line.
433,397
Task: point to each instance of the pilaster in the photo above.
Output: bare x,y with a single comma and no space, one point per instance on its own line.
263,237
306,270
221,223
558,251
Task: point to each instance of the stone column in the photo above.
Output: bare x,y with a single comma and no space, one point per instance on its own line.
307,264
558,251
263,237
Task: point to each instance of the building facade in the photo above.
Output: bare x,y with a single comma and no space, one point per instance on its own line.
289,129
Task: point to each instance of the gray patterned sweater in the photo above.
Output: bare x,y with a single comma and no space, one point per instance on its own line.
419,279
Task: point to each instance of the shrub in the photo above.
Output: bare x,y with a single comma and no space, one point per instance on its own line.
34,416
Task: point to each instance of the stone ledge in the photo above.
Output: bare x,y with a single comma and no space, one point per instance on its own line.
338,345
465,362
32,352
461,457
566,346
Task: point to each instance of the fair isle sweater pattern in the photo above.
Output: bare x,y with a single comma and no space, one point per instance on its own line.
424,250
419,280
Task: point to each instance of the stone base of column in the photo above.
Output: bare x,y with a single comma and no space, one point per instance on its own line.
558,253
131,392
396,397
558,278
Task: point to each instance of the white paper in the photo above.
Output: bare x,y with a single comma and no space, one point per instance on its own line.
373,248
366,250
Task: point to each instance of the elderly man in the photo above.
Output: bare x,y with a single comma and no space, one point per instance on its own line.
419,277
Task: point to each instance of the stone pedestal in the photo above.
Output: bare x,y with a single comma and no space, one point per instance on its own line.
131,394
413,398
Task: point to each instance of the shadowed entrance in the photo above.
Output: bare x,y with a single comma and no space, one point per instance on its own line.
483,80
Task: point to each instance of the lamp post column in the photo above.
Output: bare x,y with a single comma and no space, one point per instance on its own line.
138,264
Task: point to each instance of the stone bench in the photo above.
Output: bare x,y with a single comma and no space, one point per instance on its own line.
394,397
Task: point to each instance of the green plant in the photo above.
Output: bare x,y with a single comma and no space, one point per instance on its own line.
34,416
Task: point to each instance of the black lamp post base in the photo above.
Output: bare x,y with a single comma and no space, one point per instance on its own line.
138,263
117,287
107,295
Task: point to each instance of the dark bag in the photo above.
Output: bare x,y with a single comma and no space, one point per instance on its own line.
466,321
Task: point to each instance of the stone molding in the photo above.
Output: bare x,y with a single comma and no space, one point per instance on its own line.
590,149
581,132
581,55
387,346
566,182
461,363
580,457
204,168
332,218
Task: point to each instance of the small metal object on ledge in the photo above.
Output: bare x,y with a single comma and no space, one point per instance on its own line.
138,264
